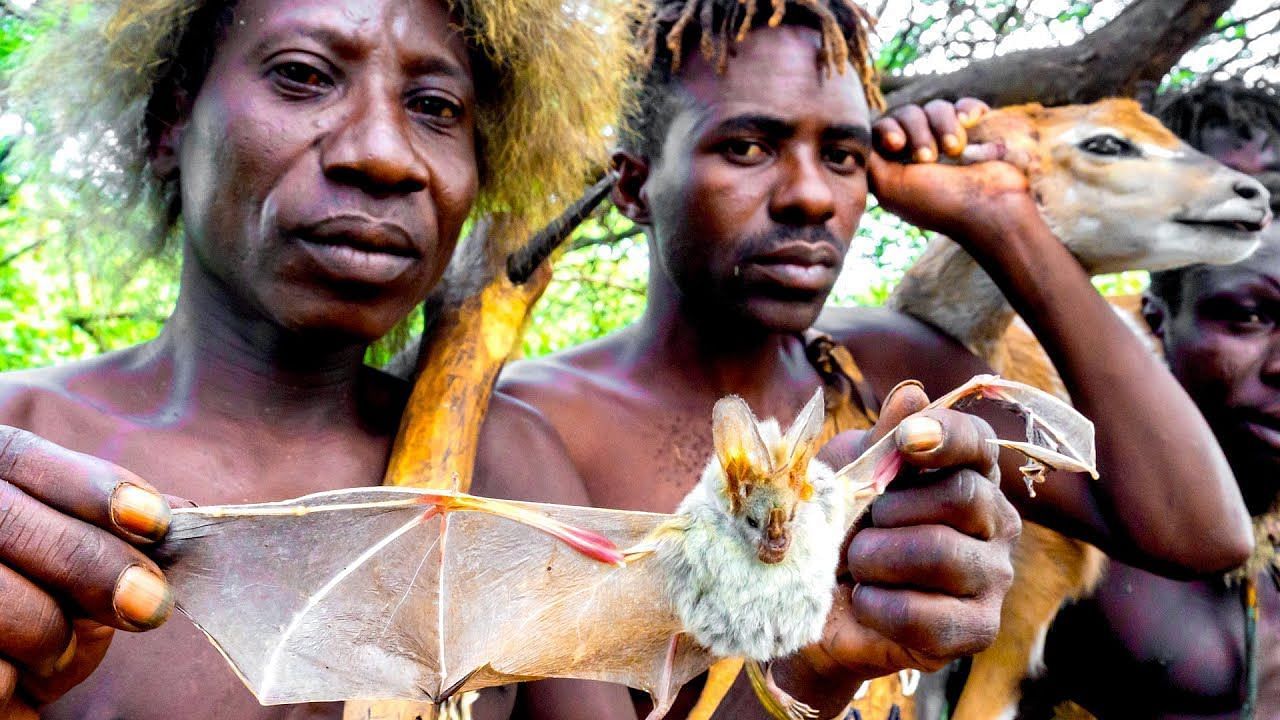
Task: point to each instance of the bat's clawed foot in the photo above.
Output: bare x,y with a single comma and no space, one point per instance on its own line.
791,707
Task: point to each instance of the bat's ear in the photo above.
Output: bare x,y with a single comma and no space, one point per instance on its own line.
739,446
801,439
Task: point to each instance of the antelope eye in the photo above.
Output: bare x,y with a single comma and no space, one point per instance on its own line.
1109,146
753,522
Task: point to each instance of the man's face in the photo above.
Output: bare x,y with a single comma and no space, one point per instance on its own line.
760,183
1250,150
1223,345
328,163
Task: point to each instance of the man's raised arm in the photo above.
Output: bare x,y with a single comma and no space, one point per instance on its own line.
1167,498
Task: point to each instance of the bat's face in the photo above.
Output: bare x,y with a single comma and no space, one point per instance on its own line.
765,521
765,473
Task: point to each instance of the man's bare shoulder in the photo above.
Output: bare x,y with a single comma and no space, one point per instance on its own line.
521,457
890,346
856,325
567,380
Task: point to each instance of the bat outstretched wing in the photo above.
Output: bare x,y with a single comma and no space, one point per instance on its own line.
397,593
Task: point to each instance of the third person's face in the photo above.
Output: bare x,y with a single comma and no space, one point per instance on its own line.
1223,344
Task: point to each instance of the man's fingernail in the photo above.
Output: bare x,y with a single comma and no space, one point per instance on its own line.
64,660
904,384
919,434
50,669
951,144
894,140
926,155
140,511
142,598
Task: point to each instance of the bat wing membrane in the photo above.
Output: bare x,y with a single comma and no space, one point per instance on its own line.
367,594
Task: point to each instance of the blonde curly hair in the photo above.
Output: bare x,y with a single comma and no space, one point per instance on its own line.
552,79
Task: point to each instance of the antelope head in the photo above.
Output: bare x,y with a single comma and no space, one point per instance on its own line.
1124,193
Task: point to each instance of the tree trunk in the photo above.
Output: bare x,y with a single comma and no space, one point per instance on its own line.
1139,45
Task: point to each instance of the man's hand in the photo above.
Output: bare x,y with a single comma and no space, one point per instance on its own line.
963,199
69,573
928,568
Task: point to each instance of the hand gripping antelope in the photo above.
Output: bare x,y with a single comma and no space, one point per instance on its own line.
1122,193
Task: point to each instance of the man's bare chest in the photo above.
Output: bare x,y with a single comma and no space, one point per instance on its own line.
1268,649
210,463
649,461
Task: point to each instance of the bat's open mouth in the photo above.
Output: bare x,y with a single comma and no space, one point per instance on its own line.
773,550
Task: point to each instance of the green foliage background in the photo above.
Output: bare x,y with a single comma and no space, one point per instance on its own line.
73,286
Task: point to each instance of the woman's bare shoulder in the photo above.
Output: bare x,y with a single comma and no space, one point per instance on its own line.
48,399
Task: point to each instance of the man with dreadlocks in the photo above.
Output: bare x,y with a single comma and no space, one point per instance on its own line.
323,156
1145,645
748,165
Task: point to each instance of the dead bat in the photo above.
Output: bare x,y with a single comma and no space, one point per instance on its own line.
401,593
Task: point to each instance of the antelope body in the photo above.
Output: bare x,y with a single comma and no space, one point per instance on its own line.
1122,193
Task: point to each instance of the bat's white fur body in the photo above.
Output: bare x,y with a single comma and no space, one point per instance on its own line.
729,600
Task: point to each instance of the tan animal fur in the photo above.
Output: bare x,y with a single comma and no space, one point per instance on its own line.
1155,204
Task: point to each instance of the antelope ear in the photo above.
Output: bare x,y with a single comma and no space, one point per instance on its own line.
739,446
801,439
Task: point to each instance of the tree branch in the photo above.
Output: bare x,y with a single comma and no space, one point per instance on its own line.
1140,44
1246,20
7,259
610,238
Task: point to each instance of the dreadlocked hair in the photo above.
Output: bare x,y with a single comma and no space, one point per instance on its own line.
1230,103
104,76
676,27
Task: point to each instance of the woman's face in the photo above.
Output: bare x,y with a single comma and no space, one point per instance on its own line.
328,162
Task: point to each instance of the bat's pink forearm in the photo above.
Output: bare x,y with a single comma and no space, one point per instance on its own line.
587,542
